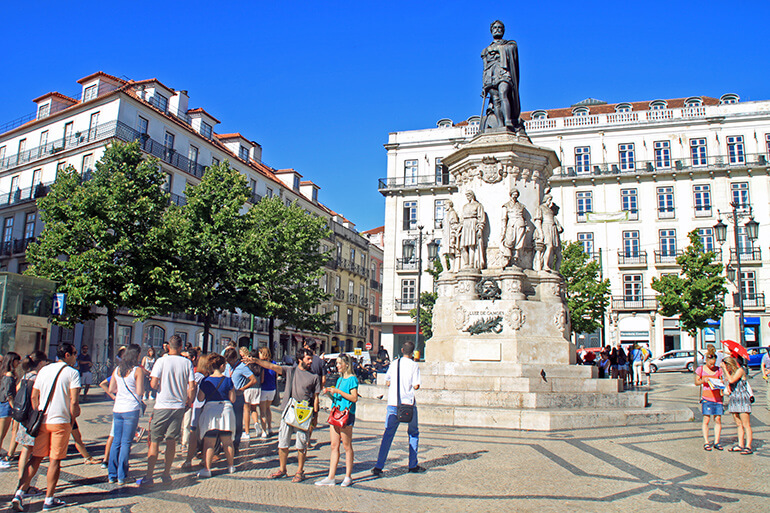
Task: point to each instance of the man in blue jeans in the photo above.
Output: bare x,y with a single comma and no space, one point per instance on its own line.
409,381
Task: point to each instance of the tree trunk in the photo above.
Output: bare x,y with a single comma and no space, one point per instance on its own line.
111,334
206,331
271,335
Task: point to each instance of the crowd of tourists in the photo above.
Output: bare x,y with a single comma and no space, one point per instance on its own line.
208,402
632,365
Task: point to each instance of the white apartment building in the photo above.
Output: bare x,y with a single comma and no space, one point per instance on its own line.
66,131
635,179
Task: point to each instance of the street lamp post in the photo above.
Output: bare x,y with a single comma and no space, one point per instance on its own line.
752,229
432,250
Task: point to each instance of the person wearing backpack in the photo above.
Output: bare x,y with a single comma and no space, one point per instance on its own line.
7,392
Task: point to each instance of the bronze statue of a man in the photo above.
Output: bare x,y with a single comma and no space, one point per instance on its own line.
501,81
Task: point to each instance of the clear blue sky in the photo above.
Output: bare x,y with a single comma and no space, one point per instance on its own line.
320,84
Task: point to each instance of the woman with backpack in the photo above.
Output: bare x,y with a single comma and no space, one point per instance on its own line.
10,364
30,366
127,384
217,417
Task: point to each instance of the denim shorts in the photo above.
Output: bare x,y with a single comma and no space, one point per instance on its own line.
712,408
5,410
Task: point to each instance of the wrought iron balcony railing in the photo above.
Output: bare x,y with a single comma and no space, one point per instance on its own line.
747,254
667,257
405,304
632,257
750,300
634,303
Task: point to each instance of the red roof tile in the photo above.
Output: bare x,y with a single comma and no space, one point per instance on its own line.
57,95
103,74
194,111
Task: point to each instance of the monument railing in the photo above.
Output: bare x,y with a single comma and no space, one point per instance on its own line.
416,182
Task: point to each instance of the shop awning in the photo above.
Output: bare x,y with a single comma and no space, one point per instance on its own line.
712,322
750,321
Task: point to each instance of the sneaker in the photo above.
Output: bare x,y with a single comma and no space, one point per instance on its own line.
104,464
263,435
231,470
245,437
417,470
165,479
17,503
204,473
34,492
54,504
376,471
145,481
4,464
111,480
346,482
326,482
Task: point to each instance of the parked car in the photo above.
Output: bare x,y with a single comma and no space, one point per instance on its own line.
676,360
756,354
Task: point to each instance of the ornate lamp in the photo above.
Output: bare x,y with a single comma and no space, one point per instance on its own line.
720,230
432,250
731,273
752,229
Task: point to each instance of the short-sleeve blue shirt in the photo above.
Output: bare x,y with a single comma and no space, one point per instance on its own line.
240,375
345,385
216,389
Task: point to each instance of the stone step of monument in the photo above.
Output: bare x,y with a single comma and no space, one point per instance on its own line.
506,399
547,419
521,384
476,369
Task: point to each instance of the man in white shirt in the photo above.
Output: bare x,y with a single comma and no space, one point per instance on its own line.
62,382
174,378
409,381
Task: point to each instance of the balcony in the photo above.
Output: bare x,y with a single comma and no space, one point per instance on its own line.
667,257
748,255
337,327
176,199
24,195
406,264
15,246
362,331
351,329
666,213
364,302
650,167
374,319
405,304
632,258
750,301
375,285
352,298
634,303
416,182
339,294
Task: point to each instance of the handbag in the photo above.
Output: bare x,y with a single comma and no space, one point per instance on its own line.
750,392
404,412
338,417
35,419
298,414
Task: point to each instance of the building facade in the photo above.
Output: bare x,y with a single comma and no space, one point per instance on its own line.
635,179
66,131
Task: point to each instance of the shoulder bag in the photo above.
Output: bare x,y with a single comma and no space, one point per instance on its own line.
405,412
338,417
297,414
35,419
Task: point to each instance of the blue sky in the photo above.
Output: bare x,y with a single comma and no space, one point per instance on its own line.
320,84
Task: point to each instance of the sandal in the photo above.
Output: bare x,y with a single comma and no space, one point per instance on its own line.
747,450
735,448
298,477
706,447
278,475
91,461
718,447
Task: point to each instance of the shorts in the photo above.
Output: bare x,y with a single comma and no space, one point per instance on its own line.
5,410
267,396
252,396
86,378
52,441
284,437
166,424
711,408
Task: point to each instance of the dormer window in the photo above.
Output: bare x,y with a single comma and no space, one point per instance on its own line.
161,102
243,153
444,123
44,110
295,184
623,107
693,102
474,121
206,130
729,98
540,114
90,93
658,105
580,111
315,195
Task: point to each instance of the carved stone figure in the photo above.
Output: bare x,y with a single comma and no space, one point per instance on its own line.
471,240
548,232
501,81
514,230
452,235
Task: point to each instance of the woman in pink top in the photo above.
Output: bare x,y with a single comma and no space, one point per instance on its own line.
707,376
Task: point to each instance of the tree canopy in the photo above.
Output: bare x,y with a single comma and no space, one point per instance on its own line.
587,294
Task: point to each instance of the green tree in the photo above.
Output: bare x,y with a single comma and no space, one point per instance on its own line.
282,265
427,302
697,292
208,235
102,242
587,294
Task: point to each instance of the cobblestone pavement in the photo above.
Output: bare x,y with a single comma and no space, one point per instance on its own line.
654,467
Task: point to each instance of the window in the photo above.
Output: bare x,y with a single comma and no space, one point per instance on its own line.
658,105
707,238
735,152
410,172
8,229
586,239
44,110
60,166
667,240
14,184
161,102
749,288
182,335
693,102
698,152
124,335
662,154
90,93
623,107
408,291
87,165
68,129
167,182
214,161
410,215
192,154
37,177
360,318
629,203
351,288
156,336
2,154
43,143
269,192
702,194
324,284
580,111
352,255
169,141
666,203
314,195
438,214
295,184
626,154
339,250
336,313
362,291
23,146
442,173
583,159
92,124
540,114
767,147
243,153
740,195
631,243
584,205
729,98
29,225
206,130
632,287
745,245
